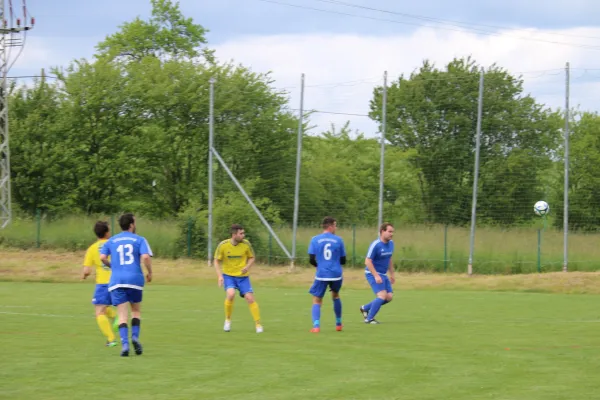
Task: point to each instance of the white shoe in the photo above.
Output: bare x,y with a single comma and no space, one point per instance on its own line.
259,329
227,326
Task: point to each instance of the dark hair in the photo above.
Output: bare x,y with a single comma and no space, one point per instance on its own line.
126,220
327,222
101,229
384,226
235,228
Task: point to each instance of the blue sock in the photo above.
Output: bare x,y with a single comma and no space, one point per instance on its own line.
135,329
337,308
377,303
316,315
124,333
367,307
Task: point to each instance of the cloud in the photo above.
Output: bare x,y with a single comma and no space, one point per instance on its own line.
327,60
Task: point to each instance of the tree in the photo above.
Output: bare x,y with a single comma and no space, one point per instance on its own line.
166,35
434,112
584,175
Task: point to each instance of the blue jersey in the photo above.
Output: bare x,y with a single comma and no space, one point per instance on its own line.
125,251
380,253
328,249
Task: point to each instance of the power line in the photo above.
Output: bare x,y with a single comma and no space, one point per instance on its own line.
489,33
442,21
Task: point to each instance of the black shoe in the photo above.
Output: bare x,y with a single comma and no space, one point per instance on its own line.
138,348
364,312
125,353
371,321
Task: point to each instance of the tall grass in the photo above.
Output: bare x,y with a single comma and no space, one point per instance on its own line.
418,248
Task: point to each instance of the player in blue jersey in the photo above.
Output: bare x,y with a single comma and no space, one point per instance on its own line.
327,253
379,272
127,252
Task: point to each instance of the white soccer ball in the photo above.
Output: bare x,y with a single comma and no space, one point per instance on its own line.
541,208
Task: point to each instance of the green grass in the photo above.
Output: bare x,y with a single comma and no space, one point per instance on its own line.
418,248
431,345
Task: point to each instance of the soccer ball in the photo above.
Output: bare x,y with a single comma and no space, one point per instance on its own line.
541,208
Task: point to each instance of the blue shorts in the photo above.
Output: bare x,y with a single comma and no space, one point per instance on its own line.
319,288
125,295
101,295
239,283
378,287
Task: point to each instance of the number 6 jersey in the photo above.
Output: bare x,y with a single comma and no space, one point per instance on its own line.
328,249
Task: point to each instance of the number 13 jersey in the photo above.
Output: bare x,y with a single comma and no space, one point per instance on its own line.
125,251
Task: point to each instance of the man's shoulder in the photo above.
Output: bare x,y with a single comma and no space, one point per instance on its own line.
223,243
247,242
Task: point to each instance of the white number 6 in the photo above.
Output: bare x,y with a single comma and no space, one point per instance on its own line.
327,251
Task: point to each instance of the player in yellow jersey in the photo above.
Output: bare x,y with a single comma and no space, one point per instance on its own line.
102,301
237,257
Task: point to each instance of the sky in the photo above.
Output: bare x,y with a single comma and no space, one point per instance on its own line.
344,50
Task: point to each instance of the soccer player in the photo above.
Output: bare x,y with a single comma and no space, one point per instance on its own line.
237,256
327,253
101,299
127,251
379,272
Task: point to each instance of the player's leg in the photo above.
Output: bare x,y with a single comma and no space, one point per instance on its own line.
245,288
135,301
119,300
104,325
317,290
336,286
101,302
380,290
230,287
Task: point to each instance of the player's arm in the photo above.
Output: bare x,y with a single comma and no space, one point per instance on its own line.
342,254
391,271
312,257
217,262
369,263
104,253
147,261
250,258
146,257
87,264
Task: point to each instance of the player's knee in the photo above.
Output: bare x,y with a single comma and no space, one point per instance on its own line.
249,298
389,297
100,311
335,295
317,300
230,294
382,295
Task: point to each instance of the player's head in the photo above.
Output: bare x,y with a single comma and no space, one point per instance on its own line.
329,224
101,230
237,232
386,231
127,222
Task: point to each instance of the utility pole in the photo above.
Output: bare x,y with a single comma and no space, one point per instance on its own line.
12,33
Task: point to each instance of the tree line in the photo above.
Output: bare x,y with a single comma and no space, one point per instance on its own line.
128,130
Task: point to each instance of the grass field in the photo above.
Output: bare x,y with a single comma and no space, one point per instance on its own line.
443,337
418,248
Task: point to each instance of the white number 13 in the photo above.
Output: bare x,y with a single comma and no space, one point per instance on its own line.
327,251
125,254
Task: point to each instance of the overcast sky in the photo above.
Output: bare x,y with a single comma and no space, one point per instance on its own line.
344,56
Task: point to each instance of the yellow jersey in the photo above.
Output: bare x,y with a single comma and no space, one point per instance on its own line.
92,260
234,257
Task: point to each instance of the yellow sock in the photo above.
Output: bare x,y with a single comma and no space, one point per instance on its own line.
110,312
228,309
105,327
255,312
